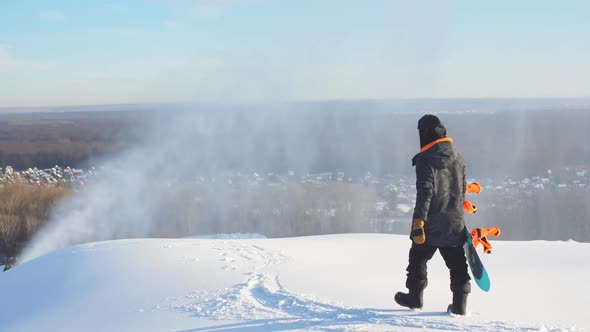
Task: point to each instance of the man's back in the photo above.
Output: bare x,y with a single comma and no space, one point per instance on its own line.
440,183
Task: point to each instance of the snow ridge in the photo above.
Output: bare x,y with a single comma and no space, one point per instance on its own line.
263,302
322,283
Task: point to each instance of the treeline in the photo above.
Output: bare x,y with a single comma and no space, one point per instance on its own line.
75,139
353,141
23,211
285,210
549,214
336,207
23,155
275,211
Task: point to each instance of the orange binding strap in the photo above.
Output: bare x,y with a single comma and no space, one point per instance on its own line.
473,188
480,236
469,207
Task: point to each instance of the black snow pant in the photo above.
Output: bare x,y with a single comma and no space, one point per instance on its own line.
454,259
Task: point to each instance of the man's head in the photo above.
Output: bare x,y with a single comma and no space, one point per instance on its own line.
430,129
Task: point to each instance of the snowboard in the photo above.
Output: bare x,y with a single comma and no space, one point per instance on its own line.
478,271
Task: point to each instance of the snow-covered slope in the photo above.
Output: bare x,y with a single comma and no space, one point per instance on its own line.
331,282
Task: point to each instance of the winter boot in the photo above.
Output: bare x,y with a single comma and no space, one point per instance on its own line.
459,305
412,300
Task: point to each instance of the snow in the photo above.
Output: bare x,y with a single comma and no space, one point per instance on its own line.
233,236
329,283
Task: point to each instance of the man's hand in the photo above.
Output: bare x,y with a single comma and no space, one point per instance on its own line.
417,234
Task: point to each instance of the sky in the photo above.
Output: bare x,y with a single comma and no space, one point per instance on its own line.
70,52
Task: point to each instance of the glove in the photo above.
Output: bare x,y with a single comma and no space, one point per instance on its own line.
417,234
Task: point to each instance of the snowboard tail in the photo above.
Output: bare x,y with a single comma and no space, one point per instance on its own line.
478,271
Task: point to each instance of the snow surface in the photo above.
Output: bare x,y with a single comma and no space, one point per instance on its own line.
233,236
325,283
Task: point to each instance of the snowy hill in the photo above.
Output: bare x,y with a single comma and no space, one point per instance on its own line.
331,282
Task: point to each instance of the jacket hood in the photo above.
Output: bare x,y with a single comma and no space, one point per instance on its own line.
440,155
430,129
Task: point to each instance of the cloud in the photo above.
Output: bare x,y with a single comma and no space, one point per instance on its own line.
52,15
189,3
206,8
105,10
212,2
117,8
9,62
203,8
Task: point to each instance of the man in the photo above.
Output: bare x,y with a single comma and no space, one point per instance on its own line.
438,216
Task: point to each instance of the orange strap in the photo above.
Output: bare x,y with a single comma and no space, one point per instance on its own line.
433,143
479,236
473,188
487,247
469,207
491,231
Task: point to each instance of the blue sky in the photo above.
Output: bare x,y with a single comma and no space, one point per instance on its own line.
67,52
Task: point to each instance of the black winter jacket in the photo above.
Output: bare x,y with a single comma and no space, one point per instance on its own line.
440,192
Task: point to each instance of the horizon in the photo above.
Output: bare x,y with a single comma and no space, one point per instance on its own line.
579,102
66,53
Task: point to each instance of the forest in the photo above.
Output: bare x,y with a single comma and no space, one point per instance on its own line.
290,145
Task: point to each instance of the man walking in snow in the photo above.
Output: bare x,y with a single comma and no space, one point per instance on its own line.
438,216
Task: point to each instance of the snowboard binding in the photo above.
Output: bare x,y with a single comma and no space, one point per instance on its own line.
480,236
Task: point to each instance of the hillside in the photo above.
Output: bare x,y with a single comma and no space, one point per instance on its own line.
332,282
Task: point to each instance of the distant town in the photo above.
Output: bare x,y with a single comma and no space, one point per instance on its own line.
49,176
568,178
394,195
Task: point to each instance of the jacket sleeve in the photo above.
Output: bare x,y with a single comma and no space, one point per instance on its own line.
424,188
